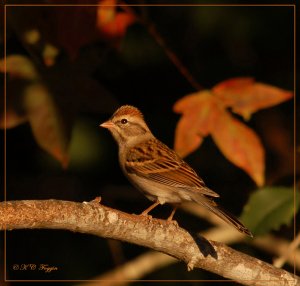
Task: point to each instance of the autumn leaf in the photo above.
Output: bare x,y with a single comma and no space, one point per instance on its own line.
245,96
63,27
112,24
35,104
45,121
19,66
205,113
202,115
199,113
240,145
68,28
49,54
12,119
106,12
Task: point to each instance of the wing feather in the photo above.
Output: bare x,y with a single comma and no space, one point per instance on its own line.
163,165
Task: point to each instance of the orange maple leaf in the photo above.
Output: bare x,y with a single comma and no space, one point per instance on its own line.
245,96
204,113
199,112
240,145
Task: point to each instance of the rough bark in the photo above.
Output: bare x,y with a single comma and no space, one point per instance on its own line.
156,234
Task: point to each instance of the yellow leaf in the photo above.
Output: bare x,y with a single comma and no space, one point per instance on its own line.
19,66
46,123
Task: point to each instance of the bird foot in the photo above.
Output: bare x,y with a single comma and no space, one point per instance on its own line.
146,216
171,221
96,200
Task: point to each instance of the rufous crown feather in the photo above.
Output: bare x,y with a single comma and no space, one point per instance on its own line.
128,110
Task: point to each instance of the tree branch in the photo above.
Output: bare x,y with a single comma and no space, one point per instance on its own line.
269,243
151,261
156,234
161,41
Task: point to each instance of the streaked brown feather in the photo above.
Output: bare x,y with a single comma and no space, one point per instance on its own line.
154,160
221,213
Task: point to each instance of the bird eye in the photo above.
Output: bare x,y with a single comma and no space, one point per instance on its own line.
124,121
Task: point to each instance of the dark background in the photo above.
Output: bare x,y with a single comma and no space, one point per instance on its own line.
215,43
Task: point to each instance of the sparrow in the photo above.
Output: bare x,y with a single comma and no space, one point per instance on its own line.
158,171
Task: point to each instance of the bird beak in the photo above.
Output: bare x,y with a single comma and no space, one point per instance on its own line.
107,124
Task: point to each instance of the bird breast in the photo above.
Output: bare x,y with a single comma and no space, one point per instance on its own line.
155,191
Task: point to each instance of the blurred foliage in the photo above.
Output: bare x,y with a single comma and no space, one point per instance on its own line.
269,208
70,67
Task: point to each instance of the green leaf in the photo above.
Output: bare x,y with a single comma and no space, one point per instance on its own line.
269,208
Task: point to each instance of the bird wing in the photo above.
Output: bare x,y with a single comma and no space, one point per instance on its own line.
154,160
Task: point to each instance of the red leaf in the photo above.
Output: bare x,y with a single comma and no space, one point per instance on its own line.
112,24
240,145
199,112
245,96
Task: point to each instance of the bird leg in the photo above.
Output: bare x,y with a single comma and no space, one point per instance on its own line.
146,211
172,213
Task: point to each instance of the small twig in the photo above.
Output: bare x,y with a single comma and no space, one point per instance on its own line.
116,251
277,246
135,269
160,40
280,261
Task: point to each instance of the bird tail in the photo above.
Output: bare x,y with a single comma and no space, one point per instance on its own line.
221,213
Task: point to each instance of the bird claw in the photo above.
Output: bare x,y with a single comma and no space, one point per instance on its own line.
146,216
171,221
191,264
96,200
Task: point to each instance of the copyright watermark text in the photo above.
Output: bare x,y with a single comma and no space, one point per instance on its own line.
34,267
